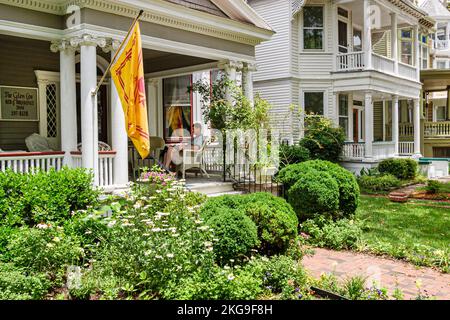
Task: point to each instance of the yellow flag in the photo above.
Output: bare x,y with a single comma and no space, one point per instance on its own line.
128,76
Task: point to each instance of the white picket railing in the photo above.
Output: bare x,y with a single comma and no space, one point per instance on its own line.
406,129
24,162
213,158
407,71
383,149
437,129
105,166
350,61
354,151
406,148
383,64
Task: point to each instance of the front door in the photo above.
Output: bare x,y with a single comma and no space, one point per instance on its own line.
355,125
343,36
102,105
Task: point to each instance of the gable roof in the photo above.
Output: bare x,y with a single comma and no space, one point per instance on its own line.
201,5
436,9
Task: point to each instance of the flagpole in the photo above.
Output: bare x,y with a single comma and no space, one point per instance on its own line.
94,93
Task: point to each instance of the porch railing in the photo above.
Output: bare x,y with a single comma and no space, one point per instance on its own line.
354,150
350,61
441,44
405,148
406,129
213,158
407,71
437,129
383,64
24,162
105,166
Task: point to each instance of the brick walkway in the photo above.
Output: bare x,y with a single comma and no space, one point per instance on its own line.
388,272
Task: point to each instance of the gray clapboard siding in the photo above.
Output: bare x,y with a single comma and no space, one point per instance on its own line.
20,57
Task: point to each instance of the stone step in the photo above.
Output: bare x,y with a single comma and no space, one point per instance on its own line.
213,195
211,187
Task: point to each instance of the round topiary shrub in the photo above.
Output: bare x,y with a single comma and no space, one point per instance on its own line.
314,193
236,234
214,205
276,221
315,176
291,154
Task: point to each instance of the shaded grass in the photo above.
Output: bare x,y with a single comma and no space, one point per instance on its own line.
414,232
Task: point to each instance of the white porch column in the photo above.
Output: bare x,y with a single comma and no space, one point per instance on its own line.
395,124
247,81
394,40
119,138
417,52
68,112
89,116
230,68
417,128
367,35
368,124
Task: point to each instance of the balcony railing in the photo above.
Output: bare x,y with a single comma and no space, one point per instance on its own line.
25,162
406,129
354,61
105,166
350,61
441,44
437,129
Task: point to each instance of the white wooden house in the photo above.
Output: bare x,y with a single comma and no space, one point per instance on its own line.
357,62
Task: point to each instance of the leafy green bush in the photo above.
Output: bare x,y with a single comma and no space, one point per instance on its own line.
47,251
323,140
385,182
15,284
44,196
340,234
317,186
273,216
260,277
236,234
290,154
403,169
314,193
434,186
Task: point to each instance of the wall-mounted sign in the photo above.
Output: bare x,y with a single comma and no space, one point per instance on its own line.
18,104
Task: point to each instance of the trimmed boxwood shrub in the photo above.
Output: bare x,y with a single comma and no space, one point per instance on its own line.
275,219
236,234
385,182
318,193
314,192
403,169
28,199
290,154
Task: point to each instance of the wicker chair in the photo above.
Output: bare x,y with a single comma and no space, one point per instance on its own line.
193,159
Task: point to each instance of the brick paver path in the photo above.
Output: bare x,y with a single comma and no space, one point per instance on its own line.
390,273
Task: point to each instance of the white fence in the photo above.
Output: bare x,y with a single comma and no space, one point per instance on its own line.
25,162
105,166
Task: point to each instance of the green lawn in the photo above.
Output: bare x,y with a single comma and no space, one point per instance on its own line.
417,231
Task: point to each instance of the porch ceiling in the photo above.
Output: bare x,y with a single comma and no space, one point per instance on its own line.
434,80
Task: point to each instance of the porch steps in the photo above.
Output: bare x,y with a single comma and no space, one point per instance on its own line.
213,188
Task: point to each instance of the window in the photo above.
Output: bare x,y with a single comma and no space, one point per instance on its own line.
314,103
313,28
177,107
406,46
424,56
441,65
441,113
343,112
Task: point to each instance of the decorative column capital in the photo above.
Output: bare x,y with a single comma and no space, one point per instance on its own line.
231,64
88,40
62,45
112,45
250,67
